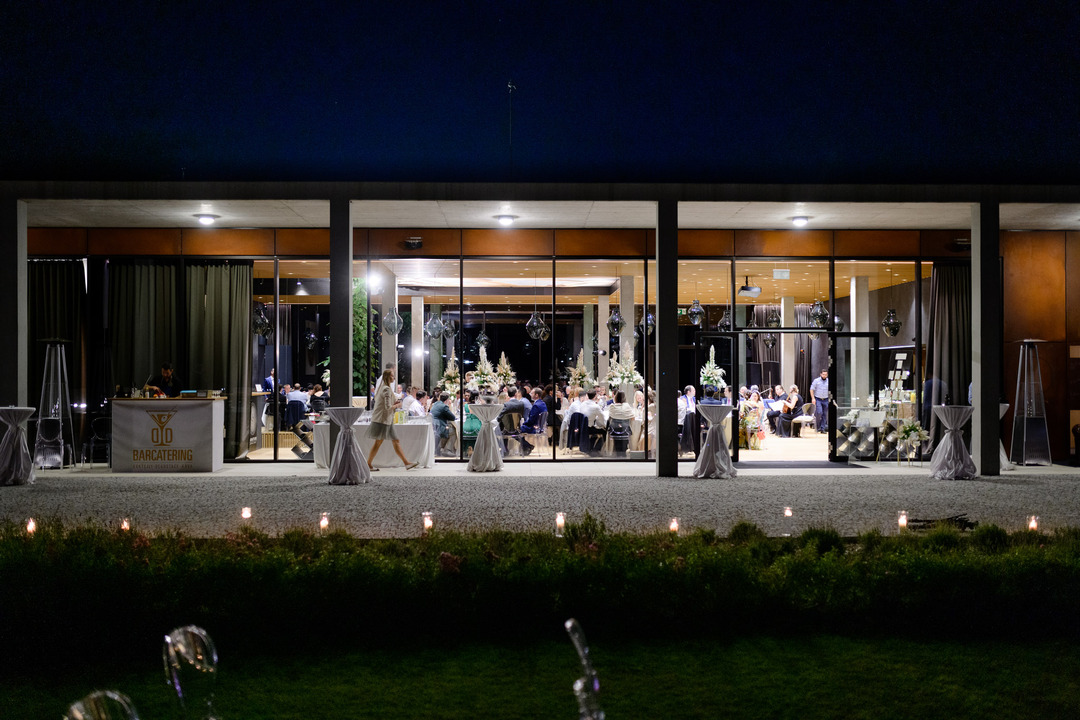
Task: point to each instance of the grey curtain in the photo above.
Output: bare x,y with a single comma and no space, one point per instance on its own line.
761,352
56,310
948,348
219,347
142,321
803,373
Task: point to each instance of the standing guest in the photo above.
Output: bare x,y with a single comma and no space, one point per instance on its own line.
268,382
727,395
382,421
710,396
166,383
551,402
441,416
691,441
819,390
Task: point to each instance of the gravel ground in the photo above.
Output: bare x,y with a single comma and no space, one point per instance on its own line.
527,495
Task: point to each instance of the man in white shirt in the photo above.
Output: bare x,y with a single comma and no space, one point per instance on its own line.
597,425
408,400
417,409
575,405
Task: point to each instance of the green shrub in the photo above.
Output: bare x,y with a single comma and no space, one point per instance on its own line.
942,537
822,540
745,532
990,538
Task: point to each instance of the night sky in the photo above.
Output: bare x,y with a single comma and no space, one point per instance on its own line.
606,91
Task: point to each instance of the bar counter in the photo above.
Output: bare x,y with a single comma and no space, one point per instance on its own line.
168,434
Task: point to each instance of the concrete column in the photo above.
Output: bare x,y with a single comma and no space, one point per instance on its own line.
388,343
860,347
435,350
417,345
587,325
626,309
667,337
14,362
603,338
986,338
341,341
787,344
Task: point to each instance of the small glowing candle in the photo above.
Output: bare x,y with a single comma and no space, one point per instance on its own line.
1033,522
125,524
673,526
429,522
901,519
560,523
31,526
787,512
324,521
245,513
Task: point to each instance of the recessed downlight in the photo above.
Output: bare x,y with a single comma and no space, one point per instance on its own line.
800,220
506,220
206,218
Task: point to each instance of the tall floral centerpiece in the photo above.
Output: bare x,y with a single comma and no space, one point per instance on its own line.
451,378
483,376
504,374
908,437
711,373
580,377
620,374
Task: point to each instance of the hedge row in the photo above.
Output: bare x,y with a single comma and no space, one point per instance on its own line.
110,589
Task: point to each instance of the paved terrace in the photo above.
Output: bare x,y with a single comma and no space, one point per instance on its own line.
526,496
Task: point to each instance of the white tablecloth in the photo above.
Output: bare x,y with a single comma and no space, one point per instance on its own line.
349,466
486,456
16,465
952,461
1003,458
714,460
417,442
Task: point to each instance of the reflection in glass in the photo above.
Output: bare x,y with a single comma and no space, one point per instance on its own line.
191,669
695,314
392,322
434,326
891,325
615,323
103,705
535,326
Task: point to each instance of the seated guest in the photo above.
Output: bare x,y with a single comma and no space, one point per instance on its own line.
619,408
710,396
531,425
776,407
619,413
408,398
300,395
792,406
594,421
166,384
513,403
441,414
319,400
416,409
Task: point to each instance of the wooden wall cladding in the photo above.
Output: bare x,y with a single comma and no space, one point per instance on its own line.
1034,287
1072,287
1054,361
478,242
359,242
650,242
56,241
227,241
794,243
133,241
943,243
575,242
876,243
311,242
390,242
705,243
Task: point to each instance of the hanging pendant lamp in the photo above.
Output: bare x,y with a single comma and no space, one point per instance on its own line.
450,328
392,322
838,324
772,320
535,326
819,316
725,322
648,322
891,324
615,323
435,325
752,326
770,340
695,313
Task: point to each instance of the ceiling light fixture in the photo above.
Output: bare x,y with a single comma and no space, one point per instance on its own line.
506,220
800,221
206,218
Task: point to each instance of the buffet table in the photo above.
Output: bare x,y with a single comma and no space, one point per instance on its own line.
417,442
168,435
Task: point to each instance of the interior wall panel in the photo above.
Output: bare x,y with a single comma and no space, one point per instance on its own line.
1034,286
56,241
227,241
705,243
507,241
310,242
794,243
876,243
133,241
589,242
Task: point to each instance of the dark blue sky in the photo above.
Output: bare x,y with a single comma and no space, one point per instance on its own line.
606,91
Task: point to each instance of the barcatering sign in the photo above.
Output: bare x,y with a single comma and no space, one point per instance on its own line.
167,435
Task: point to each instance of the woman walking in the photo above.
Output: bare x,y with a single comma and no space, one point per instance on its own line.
382,420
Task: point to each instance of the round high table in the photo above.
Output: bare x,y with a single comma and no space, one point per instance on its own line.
714,460
486,456
952,461
348,466
16,465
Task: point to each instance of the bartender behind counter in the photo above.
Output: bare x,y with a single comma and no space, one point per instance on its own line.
166,383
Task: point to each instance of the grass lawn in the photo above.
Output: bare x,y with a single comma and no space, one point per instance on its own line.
820,676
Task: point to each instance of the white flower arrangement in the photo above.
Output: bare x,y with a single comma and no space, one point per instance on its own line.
711,373
483,375
623,373
504,374
451,378
580,375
